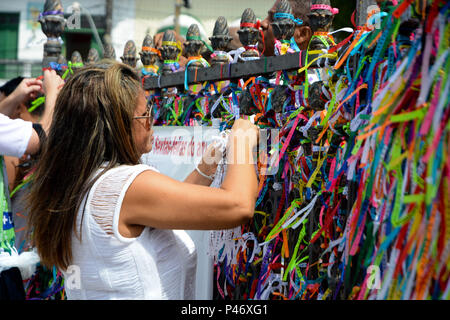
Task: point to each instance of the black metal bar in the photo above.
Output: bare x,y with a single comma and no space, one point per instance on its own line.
237,70
362,10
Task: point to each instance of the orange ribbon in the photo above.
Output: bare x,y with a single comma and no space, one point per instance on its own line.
150,49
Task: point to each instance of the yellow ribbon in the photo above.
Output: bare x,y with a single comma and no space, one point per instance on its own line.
284,48
174,44
326,55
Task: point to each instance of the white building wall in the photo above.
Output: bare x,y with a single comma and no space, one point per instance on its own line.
123,21
31,39
150,13
132,19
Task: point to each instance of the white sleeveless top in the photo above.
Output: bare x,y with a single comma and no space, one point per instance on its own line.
159,264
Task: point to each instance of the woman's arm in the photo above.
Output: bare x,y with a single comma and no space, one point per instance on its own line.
196,178
17,137
52,85
156,200
207,165
26,90
11,164
161,202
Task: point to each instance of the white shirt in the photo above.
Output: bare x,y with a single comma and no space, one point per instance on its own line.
14,136
159,264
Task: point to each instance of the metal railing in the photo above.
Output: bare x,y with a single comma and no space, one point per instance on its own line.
13,68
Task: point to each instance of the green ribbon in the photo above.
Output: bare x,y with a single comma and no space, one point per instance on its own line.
198,38
36,103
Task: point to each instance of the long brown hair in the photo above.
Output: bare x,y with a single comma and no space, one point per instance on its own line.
91,125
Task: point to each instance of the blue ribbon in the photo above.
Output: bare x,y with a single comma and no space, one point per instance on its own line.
148,73
186,73
284,15
294,45
57,66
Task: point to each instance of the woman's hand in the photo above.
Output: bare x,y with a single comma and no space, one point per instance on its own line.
52,83
210,160
27,90
242,142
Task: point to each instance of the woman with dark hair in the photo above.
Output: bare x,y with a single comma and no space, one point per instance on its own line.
112,225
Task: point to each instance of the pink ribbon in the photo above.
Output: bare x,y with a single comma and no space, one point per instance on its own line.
325,7
288,139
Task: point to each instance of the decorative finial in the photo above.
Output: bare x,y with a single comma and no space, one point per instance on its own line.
170,52
52,23
76,57
320,19
53,7
193,47
283,24
108,49
221,27
149,56
321,15
129,54
93,56
148,53
220,40
248,35
76,60
147,43
62,65
109,52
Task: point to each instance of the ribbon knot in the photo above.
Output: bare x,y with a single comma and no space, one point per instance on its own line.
334,11
284,15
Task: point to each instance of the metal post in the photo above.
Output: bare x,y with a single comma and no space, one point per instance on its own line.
178,5
362,10
109,12
93,28
52,23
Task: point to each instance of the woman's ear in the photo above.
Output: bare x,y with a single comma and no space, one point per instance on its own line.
23,113
302,36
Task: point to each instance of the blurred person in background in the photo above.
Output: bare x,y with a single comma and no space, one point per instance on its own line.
19,169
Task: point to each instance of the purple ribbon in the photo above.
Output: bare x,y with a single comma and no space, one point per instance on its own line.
50,13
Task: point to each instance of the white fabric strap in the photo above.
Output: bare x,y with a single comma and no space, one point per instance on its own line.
203,174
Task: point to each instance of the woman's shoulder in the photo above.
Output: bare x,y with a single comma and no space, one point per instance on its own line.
129,168
119,175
